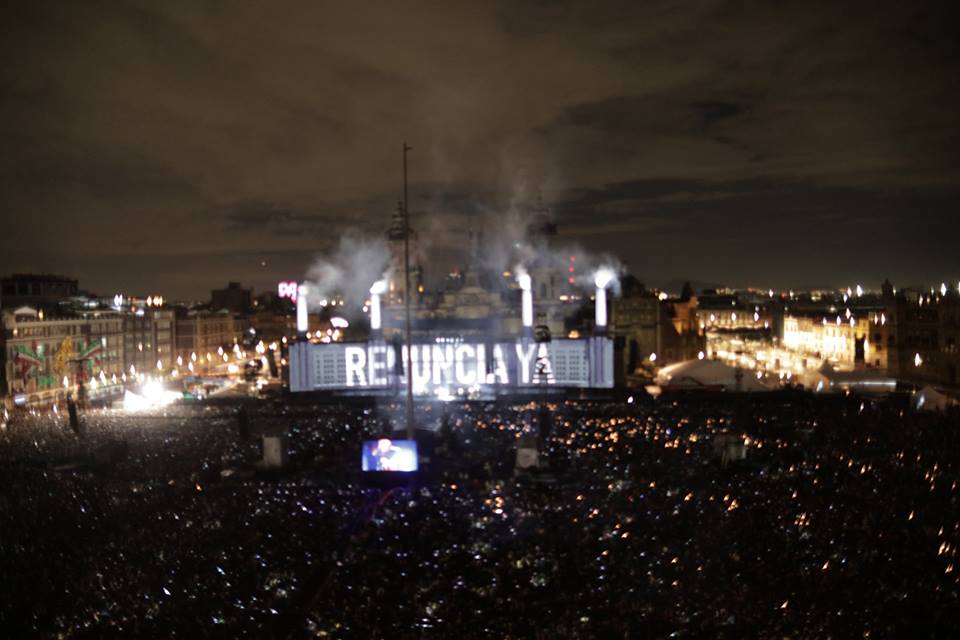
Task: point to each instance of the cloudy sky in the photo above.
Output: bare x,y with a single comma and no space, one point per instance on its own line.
170,146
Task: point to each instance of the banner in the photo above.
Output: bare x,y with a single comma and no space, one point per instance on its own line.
452,366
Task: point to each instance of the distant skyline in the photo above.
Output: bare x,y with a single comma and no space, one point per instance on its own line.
172,147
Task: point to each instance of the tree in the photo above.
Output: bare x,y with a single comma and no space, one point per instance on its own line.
65,354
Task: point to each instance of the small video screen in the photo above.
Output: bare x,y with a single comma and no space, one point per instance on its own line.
389,455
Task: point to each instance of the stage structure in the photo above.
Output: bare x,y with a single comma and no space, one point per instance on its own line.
448,368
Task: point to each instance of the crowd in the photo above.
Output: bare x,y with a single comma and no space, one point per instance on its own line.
843,521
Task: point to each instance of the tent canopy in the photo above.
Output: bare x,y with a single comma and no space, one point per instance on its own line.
709,373
930,399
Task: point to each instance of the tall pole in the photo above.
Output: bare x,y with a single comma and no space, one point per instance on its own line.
406,295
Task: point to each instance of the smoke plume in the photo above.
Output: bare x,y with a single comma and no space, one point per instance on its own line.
349,270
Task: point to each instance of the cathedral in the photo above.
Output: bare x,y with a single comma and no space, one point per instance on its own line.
477,298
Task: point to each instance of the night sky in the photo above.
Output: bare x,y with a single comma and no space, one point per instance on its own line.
167,147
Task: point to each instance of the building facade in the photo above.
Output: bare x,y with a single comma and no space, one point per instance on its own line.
234,298
149,340
924,344
654,329
199,334
842,340
46,356
34,290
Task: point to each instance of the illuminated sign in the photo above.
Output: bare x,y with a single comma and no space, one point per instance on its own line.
287,289
439,368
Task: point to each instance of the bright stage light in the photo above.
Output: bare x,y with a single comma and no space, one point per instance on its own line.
302,317
600,318
526,286
152,395
524,280
379,287
603,277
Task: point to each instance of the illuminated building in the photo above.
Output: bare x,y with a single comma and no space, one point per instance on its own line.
45,355
201,331
733,312
148,338
840,340
647,324
892,331
924,334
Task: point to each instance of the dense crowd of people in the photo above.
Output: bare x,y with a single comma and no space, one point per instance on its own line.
843,521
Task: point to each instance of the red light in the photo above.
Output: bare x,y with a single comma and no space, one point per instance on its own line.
573,258
570,269
571,280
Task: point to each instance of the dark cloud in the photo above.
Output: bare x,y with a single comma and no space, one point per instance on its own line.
712,111
274,219
176,144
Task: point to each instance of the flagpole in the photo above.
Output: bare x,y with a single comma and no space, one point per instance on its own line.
406,297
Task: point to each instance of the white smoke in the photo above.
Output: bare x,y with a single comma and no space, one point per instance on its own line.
511,237
508,240
354,265
539,253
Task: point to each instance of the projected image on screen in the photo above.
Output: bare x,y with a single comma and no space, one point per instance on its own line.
389,455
